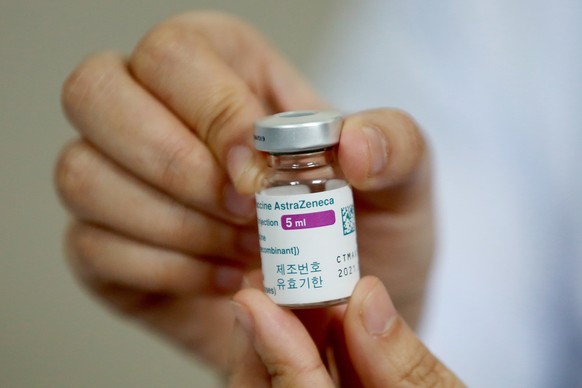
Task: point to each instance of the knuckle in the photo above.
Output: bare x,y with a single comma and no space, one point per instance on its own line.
422,370
226,33
184,230
174,160
90,81
164,44
73,173
82,249
281,371
194,234
224,105
158,42
181,39
197,30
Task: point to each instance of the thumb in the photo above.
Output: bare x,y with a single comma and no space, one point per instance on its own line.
283,345
384,155
384,350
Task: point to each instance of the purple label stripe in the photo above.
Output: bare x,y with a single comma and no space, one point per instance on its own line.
308,220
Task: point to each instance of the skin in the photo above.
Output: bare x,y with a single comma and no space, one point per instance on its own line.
159,183
271,346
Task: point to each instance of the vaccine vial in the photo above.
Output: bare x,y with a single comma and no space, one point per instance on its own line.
305,212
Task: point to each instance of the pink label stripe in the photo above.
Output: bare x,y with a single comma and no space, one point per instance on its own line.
308,220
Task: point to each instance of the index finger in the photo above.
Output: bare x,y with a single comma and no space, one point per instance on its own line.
189,70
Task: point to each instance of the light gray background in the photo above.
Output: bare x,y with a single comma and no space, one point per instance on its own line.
52,334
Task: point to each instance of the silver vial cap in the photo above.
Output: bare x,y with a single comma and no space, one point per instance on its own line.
297,131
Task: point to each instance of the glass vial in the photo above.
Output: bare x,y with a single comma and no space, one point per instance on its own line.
305,212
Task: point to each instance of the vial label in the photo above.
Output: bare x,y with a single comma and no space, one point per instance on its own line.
308,244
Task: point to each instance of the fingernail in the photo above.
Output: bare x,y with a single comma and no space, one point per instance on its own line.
378,312
228,278
378,150
243,316
238,160
238,204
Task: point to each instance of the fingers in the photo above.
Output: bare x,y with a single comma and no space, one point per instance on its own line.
384,350
253,59
98,191
128,124
178,65
272,345
383,154
281,342
209,73
100,257
199,78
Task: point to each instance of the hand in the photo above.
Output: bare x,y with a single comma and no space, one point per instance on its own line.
159,182
376,348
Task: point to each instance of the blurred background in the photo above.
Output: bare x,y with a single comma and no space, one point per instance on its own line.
52,334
